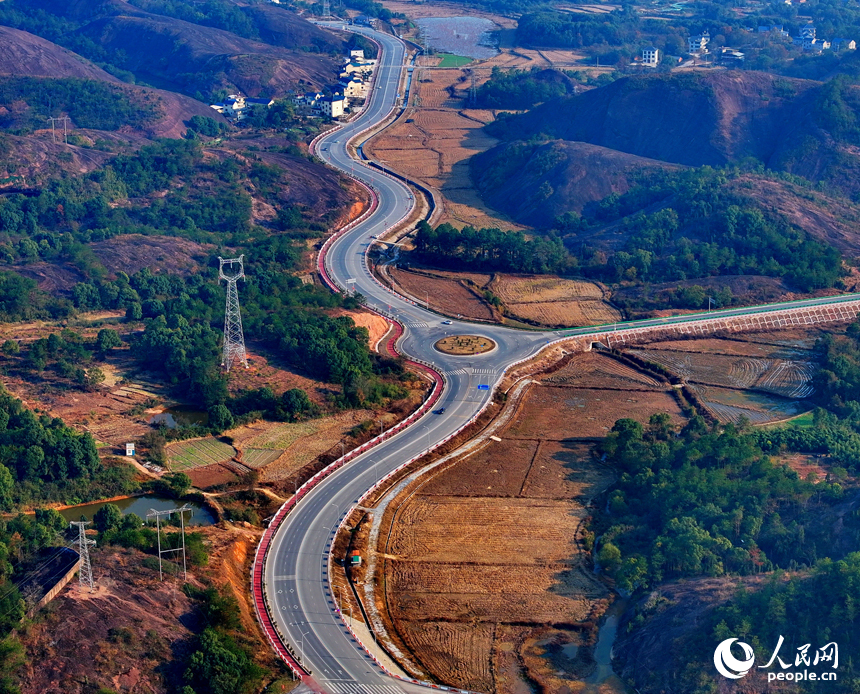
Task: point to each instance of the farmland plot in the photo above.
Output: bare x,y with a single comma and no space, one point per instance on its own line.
191,454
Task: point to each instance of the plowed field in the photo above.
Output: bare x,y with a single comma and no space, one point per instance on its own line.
445,295
762,378
485,557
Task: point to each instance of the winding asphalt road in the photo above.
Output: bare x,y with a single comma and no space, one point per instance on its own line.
296,569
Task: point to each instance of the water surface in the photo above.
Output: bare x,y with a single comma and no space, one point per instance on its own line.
466,36
141,505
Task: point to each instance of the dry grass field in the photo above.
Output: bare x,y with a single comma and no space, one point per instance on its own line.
566,314
516,289
279,449
553,301
485,558
763,378
546,300
446,295
435,147
760,377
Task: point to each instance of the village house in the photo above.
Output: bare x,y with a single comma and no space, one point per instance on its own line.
843,45
238,107
353,87
699,44
333,106
650,56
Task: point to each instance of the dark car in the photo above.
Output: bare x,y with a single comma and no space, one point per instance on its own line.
441,410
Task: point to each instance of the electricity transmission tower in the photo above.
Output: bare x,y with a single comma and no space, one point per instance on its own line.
234,339
326,8
473,88
158,514
65,120
86,573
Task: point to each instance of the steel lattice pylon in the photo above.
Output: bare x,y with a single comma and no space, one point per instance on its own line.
234,339
86,571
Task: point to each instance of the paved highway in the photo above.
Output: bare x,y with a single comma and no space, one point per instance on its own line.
296,569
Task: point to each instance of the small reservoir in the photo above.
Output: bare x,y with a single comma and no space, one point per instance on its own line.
141,505
466,36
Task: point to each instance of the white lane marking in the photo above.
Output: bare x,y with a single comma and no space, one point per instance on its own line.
355,688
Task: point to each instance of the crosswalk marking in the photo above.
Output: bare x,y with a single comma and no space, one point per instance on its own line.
466,372
415,325
355,688
483,371
459,372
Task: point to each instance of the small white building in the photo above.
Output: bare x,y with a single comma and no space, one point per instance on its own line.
333,106
353,87
129,449
699,44
843,45
357,53
651,56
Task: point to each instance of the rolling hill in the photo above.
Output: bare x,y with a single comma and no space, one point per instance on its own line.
574,151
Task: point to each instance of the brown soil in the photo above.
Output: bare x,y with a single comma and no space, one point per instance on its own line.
449,297
130,634
436,146
465,344
484,559
130,253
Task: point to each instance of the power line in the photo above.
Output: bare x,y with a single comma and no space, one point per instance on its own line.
158,514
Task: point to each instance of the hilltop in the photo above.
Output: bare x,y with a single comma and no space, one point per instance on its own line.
571,154
198,49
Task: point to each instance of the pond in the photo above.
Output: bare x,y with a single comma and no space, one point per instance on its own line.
176,417
141,505
466,36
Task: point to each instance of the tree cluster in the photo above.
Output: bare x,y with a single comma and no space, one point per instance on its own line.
707,502
522,89
490,249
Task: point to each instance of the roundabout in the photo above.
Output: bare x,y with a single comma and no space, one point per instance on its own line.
465,345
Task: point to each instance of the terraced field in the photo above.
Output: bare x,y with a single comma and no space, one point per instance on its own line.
188,455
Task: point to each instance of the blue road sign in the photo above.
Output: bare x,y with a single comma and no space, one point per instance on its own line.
483,386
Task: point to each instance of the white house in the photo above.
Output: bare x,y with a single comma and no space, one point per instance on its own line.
699,44
353,87
844,45
333,106
357,53
650,56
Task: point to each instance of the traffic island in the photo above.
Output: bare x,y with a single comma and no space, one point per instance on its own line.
465,345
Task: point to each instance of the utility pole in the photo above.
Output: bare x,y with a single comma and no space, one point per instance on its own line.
234,338
158,514
86,573
65,120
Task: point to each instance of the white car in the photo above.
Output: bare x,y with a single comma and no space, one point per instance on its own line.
446,322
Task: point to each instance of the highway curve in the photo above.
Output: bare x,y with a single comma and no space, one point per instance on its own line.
295,568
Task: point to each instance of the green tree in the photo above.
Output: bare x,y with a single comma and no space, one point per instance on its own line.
107,339
178,483
108,517
220,418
